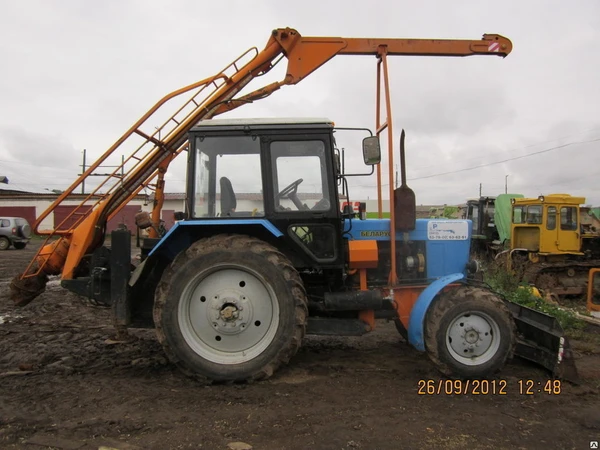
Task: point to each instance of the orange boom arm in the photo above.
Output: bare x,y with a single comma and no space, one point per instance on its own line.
148,150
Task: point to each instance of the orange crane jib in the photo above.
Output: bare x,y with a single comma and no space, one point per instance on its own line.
148,150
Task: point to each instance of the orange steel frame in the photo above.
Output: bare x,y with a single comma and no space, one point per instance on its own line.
304,55
382,66
591,306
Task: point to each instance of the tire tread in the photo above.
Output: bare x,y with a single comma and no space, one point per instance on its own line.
236,243
443,305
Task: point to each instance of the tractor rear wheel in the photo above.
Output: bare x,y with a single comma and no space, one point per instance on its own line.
230,308
469,333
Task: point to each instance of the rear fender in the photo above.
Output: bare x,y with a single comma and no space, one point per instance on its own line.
416,322
184,233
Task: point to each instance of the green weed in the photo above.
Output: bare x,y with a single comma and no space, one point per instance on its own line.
503,282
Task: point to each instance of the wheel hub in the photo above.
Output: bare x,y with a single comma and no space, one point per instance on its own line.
471,336
229,312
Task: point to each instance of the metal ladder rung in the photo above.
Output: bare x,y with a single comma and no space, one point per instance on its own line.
224,80
111,175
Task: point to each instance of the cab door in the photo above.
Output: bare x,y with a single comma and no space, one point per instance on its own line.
568,229
303,201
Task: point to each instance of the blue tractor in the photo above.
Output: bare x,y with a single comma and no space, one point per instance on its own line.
264,255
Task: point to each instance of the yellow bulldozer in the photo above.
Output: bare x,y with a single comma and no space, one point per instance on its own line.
554,242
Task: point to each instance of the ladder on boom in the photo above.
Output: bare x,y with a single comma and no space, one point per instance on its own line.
145,150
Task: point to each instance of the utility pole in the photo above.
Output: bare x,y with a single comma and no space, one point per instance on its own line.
122,167
83,171
480,189
506,184
344,170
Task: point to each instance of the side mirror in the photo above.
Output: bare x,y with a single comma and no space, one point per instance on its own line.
371,150
179,215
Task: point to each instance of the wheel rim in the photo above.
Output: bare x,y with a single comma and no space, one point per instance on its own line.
228,314
473,338
3,244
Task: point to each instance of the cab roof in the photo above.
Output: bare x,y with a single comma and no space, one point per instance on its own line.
551,198
264,123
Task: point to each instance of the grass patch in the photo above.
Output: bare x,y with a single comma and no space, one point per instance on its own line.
375,215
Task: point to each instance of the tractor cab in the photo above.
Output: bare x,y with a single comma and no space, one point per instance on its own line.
259,168
277,176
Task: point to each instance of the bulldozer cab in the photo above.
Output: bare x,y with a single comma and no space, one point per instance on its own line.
281,173
547,224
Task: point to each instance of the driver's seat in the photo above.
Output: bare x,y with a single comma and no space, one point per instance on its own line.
228,200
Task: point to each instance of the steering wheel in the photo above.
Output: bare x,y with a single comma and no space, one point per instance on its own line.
291,192
292,188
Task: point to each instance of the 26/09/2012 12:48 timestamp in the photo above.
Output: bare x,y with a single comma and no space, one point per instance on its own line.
489,387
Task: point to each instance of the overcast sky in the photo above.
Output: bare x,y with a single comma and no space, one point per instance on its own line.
77,74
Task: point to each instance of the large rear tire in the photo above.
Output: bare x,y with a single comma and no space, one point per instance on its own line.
469,333
230,308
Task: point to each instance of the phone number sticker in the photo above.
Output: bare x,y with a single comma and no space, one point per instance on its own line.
447,230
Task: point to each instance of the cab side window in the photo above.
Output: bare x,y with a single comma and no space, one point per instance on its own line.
568,218
300,176
534,214
519,214
551,219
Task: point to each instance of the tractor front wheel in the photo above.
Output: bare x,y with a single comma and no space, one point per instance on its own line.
469,333
230,308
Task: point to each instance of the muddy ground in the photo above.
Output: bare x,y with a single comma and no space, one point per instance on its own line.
65,383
